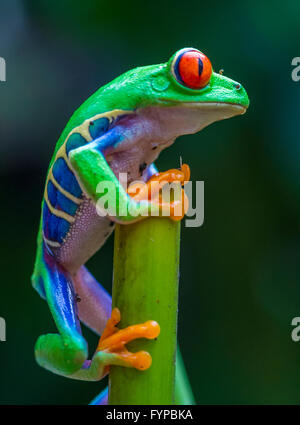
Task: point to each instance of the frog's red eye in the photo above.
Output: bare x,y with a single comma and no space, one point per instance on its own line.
192,68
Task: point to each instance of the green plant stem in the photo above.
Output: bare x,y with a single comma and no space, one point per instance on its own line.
145,287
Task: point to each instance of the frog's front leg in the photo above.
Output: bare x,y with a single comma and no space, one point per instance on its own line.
91,168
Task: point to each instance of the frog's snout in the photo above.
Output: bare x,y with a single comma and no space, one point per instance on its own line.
230,91
242,95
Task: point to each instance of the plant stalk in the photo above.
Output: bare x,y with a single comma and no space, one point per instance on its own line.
145,287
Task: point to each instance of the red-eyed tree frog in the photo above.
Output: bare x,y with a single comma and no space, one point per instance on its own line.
121,128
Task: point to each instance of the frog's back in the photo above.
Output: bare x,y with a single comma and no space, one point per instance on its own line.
63,194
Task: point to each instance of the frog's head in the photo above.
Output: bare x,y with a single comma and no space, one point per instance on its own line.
186,92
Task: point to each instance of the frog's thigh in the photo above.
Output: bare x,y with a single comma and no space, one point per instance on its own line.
62,353
94,306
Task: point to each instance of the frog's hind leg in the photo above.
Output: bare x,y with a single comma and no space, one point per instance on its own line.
94,302
66,352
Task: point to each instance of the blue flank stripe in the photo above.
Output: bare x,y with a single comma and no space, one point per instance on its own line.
59,201
64,176
54,228
98,127
75,141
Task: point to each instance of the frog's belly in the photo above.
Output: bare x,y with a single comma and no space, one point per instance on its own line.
85,237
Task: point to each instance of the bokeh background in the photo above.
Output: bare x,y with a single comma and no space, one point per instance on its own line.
239,284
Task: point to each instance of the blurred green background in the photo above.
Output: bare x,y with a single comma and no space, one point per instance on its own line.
239,283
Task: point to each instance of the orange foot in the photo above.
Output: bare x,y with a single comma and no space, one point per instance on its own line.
113,341
151,191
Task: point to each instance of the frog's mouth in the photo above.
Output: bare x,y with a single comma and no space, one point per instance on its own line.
235,108
190,117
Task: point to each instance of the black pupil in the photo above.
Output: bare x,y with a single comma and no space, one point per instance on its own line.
200,66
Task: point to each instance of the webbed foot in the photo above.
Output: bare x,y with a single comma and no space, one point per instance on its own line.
113,341
111,349
152,192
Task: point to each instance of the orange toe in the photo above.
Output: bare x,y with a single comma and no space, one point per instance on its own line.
140,360
150,191
151,329
117,340
113,340
110,327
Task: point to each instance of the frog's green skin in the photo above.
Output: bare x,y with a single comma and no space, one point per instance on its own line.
122,127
